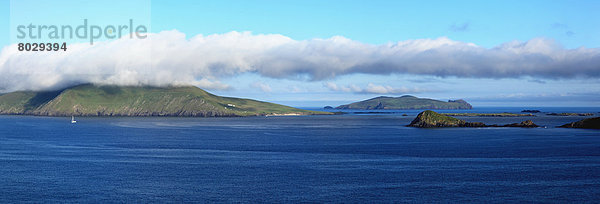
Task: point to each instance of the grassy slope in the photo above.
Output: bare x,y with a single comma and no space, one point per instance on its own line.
90,100
404,102
15,102
24,101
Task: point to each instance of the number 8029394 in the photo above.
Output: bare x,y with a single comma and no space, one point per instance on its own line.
42,46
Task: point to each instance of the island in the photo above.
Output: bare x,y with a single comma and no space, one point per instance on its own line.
489,114
96,100
406,102
588,123
570,114
530,111
432,119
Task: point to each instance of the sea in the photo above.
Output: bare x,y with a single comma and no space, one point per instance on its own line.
357,157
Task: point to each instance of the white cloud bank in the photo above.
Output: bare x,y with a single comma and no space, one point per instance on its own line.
169,58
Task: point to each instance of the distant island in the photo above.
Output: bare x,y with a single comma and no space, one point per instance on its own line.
588,123
489,114
92,100
431,119
570,114
405,102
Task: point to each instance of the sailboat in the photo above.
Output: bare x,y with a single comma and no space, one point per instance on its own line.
73,120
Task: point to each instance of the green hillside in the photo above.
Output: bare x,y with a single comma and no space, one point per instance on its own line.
405,102
91,100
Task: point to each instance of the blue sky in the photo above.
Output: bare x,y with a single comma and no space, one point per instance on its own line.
487,24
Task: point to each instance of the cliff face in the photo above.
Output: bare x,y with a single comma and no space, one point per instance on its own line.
90,100
406,102
431,119
588,123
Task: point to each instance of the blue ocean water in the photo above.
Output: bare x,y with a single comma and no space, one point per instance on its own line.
356,157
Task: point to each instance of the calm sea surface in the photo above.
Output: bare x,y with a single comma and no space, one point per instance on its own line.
357,157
